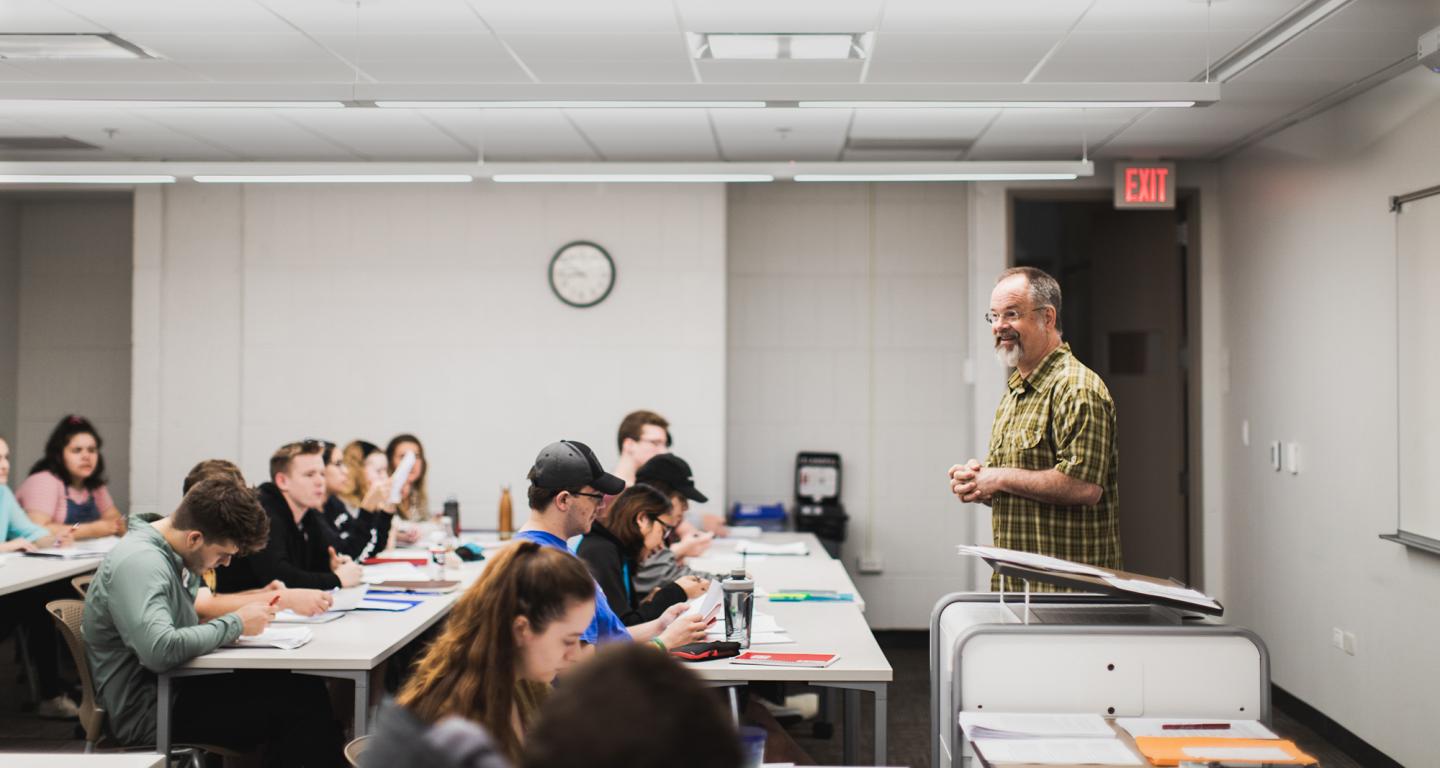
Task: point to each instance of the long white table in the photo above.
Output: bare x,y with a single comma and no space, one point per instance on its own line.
774,573
20,572
837,628
350,648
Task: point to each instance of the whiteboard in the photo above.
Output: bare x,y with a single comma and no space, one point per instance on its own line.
1417,248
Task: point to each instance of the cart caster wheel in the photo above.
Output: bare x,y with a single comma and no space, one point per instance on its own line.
824,730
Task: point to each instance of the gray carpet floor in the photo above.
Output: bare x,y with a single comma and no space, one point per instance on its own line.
908,717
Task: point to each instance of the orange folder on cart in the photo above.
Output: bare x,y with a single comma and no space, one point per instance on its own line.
1160,750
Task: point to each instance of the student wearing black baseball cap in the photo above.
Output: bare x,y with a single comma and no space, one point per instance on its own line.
670,475
567,489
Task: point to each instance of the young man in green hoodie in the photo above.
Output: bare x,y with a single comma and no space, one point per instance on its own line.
140,620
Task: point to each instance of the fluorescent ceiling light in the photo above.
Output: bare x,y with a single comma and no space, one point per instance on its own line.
570,104
797,46
1273,37
49,104
68,46
622,178
61,178
935,177
993,104
341,178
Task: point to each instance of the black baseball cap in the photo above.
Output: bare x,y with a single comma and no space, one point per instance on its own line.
570,464
674,472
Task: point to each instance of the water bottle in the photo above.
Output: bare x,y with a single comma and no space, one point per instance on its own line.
739,598
452,513
506,525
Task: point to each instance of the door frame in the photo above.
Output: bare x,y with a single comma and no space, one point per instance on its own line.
1187,204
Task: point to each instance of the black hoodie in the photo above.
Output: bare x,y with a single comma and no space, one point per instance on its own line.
298,555
361,534
608,564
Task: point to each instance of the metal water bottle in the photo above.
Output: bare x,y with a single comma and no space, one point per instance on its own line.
452,513
506,525
738,592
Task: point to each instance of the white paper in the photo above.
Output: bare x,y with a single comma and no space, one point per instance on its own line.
346,599
744,531
1032,560
397,480
1001,725
286,638
65,553
1257,754
291,617
1154,726
794,548
1183,594
706,606
1057,751
374,574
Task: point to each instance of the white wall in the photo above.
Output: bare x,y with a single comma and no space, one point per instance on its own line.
1309,292
9,318
848,317
264,314
73,351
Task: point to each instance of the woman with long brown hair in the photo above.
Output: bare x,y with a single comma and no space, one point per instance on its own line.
507,638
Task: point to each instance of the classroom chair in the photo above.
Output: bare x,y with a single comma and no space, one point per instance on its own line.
68,615
81,583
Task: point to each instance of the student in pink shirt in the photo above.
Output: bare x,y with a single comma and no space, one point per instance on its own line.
66,488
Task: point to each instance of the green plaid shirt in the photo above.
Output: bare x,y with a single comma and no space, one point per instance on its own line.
1060,418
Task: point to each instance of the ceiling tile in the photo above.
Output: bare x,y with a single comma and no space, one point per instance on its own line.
790,16
588,17
417,70
20,16
382,134
128,70
192,17
286,45
515,134
590,71
640,134
976,16
384,17
306,71
252,133
920,123
781,134
885,70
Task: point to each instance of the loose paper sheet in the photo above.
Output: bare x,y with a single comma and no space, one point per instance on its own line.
1001,725
1057,751
1154,726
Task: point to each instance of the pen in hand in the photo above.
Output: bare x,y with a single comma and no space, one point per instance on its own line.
1195,726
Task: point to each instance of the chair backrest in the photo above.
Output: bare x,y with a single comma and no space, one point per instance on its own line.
81,583
68,615
354,748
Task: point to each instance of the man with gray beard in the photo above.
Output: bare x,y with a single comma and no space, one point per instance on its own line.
1050,474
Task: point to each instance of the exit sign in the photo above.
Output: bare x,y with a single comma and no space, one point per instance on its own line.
1144,185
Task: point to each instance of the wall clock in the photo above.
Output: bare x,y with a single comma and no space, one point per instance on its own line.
582,274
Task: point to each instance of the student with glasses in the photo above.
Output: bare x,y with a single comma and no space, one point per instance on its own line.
670,475
364,530
301,550
567,490
640,520
642,435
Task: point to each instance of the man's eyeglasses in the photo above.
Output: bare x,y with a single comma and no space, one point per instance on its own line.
591,495
1009,315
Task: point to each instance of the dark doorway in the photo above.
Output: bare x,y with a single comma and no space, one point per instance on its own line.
1126,316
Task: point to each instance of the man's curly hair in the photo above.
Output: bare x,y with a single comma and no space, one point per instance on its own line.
224,511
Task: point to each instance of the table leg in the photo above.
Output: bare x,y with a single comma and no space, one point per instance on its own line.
162,717
734,705
881,726
852,724
362,704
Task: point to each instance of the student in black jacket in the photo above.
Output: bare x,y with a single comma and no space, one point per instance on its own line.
301,549
361,532
639,520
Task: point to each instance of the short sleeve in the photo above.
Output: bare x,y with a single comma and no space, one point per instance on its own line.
45,493
103,501
1084,428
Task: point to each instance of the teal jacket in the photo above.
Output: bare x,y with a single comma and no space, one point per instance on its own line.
14,523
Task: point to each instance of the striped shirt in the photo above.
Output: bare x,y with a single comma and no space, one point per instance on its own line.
1062,418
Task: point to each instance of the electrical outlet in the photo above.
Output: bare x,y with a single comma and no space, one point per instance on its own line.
872,564
1292,458
1348,645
